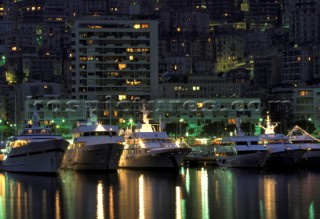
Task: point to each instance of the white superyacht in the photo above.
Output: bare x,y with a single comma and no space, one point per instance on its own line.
307,142
35,150
241,151
94,147
149,148
283,152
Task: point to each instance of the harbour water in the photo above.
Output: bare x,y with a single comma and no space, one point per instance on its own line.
192,192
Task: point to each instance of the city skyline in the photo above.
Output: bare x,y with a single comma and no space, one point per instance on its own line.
266,50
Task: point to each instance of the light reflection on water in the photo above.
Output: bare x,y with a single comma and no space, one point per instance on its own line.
203,192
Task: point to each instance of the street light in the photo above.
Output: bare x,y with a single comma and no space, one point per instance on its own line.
130,121
181,120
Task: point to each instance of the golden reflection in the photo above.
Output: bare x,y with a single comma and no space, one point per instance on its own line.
204,193
19,198
2,196
44,203
100,214
111,205
141,198
178,202
270,198
57,203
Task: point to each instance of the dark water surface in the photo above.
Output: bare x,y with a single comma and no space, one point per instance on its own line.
204,192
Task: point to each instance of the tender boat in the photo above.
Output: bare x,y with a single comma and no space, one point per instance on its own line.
94,147
307,142
241,151
35,150
151,148
200,154
283,152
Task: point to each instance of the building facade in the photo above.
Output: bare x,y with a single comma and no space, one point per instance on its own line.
117,57
306,105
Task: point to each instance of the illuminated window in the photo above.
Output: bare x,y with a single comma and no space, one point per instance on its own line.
14,48
199,105
131,58
133,83
144,26
83,58
136,26
298,58
58,19
94,26
122,97
122,66
195,88
178,29
303,93
45,86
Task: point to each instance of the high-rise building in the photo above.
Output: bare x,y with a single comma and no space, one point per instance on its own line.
302,18
296,67
116,57
264,14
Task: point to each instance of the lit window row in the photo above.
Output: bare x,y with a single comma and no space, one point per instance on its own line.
141,26
33,8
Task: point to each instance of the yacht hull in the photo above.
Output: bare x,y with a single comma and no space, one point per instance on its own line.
286,158
251,160
99,157
37,157
311,158
155,159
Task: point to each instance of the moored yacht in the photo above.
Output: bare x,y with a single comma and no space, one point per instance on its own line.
283,152
241,151
94,147
35,150
307,142
151,148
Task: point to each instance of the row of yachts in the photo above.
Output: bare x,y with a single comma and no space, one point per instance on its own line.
93,147
97,147
270,149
